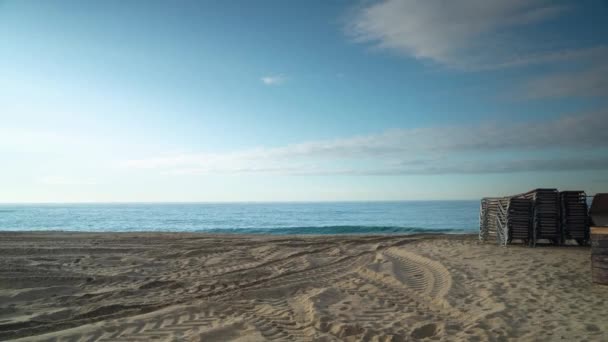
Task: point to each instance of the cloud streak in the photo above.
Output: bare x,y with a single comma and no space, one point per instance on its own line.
432,150
58,180
437,167
588,82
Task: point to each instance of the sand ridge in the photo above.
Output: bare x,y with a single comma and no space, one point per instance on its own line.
198,287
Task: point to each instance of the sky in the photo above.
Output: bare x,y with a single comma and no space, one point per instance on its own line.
213,101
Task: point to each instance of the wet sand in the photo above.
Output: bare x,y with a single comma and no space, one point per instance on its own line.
198,287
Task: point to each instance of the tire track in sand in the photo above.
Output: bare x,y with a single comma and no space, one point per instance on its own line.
274,323
425,276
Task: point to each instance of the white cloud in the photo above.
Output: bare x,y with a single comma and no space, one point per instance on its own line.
430,150
273,80
462,34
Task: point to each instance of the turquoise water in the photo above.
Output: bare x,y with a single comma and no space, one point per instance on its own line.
265,218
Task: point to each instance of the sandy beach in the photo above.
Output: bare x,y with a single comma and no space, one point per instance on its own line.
198,287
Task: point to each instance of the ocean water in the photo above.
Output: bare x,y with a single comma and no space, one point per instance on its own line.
257,218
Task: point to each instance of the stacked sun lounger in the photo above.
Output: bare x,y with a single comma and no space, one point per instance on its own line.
574,217
504,219
490,228
546,221
540,215
520,219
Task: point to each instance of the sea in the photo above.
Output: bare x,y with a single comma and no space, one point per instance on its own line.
402,217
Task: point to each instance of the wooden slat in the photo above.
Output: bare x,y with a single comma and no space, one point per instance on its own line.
599,275
599,255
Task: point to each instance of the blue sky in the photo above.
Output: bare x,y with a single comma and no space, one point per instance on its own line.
300,101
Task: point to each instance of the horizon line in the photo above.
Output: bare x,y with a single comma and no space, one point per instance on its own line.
243,202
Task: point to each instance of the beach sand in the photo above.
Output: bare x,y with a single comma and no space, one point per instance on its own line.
198,287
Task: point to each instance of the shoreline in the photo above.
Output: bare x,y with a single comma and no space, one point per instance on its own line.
249,287
239,234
